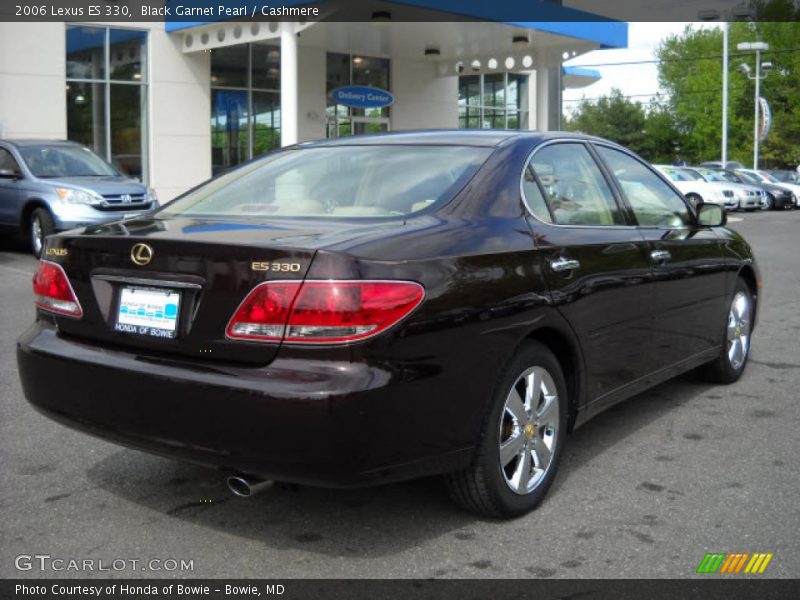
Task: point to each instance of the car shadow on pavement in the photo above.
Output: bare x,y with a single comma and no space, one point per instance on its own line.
618,424
368,522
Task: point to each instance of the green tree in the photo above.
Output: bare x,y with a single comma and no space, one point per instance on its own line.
647,131
613,117
690,72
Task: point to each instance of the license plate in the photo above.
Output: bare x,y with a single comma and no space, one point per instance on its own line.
148,311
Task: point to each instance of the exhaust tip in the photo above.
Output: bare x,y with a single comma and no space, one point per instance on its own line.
239,486
245,486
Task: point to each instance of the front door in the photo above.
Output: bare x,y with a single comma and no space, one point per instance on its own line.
594,262
688,264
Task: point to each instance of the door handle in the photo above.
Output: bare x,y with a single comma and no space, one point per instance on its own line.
660,255
560,265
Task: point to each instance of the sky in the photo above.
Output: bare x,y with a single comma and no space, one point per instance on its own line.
639,80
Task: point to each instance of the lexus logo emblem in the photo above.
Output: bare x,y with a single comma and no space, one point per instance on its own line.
141,254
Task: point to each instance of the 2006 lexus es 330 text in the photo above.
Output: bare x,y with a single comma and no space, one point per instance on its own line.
372,309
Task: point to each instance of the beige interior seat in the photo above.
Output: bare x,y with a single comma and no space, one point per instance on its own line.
300,207
361,211
421,205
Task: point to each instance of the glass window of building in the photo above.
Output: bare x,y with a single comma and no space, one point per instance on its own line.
493,101
347,69
245,103
107,94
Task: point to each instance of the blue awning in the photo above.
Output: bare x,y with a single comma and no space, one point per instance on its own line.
578,77
531,14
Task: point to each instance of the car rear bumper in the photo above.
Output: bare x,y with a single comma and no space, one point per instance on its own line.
322,423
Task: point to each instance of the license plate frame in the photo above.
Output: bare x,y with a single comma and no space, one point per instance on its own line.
148,311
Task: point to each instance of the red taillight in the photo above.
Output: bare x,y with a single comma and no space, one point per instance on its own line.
53,292
323,312
263,314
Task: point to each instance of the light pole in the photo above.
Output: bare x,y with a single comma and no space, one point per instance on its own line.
760,72
736,14
725,29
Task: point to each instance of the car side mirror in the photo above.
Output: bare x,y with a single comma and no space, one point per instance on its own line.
711,215
9,174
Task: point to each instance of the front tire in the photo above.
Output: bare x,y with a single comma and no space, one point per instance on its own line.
40,225
522,440
732,360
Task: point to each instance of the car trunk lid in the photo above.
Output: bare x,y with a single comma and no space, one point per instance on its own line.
187,275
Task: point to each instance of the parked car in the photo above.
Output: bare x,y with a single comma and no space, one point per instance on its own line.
786,176
743,197
779,196
718,164
376,308
695,188
48,186
768,178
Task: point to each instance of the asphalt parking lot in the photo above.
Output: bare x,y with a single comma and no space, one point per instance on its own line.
644,491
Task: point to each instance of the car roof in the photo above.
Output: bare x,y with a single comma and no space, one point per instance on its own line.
446,137
23,143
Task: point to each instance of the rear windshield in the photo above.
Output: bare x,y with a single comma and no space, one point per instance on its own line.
337,182
786,176
65,161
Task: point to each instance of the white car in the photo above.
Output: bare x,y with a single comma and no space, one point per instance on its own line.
695,189
767,178
745,197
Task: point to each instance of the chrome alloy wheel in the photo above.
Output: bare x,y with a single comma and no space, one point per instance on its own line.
37,235
739,330
529,430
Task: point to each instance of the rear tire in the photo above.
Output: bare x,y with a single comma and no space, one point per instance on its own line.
735,351
522,439
40,225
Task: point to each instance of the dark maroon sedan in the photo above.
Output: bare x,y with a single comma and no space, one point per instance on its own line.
379,308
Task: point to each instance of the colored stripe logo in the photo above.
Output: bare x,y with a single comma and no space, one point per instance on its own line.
734,563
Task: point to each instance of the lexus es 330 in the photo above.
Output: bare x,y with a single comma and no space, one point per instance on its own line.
372,309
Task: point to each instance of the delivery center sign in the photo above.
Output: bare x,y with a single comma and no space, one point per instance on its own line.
362,96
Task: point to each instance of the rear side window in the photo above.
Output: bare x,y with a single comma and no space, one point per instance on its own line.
654,203
337,182
7,161
575,191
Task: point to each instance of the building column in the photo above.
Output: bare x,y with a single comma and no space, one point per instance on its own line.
542,99
548,98
556,102
289,77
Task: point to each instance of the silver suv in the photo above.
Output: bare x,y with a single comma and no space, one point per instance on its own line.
49,186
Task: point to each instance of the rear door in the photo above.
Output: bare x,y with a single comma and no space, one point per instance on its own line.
687,261
595,263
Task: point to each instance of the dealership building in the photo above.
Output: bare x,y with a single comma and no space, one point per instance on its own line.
175,102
